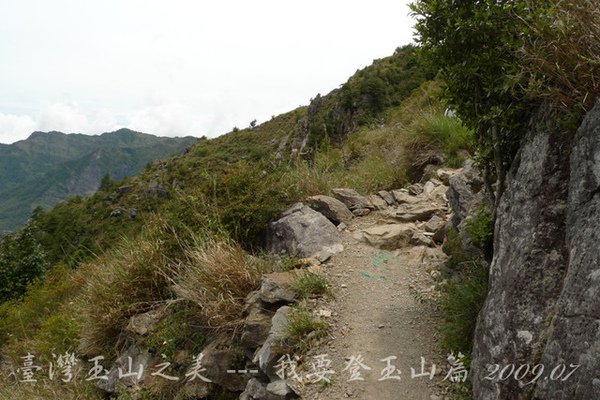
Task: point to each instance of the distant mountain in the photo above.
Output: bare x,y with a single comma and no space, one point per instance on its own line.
47,168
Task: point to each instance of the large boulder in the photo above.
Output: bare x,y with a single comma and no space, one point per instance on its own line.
543,305
303,232
352,199
333,209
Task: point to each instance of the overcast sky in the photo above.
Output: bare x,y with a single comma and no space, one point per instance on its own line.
180,67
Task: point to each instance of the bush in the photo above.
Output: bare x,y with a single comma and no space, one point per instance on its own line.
562,54
22,260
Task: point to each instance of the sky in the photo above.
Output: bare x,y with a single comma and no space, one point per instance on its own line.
180,67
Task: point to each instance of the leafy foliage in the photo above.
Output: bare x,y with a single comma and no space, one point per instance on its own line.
22,260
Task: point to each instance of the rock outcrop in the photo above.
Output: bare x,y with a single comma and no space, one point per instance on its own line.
543,306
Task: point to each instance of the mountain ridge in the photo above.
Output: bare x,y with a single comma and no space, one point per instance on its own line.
48,167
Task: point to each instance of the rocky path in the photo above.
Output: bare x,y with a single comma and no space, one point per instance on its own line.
377,312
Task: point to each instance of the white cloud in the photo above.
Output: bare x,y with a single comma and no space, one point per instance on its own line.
167,119
15,127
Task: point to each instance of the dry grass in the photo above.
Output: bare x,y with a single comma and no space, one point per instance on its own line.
217,275
563,61
126,282
67,391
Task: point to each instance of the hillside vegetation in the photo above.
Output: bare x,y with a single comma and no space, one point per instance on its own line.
47,168
185,235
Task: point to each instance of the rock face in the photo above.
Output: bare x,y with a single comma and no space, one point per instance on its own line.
303,232
333,209
466,189
543,306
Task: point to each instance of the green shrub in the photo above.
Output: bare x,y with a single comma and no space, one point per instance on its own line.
309,284
302,328
22,259
463,297
480,227
436,136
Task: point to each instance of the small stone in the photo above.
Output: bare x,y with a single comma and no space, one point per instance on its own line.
415,189
381,326
344,285
325,313
387,196
361,212
341,226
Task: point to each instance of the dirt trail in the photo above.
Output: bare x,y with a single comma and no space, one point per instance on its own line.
376,314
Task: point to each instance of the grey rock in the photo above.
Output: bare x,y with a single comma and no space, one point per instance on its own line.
378,202
387,236
143,324
466,189
575,331
323,256
444,174
277,390
217,359
415,189
361,212
543,304
277,287
141,359
196,389
418,239
255,390
303,232
156,189
402,196
387,196
414,212
429,187
121,190
257,326
434,224
272,350
332,208
352,199
280,390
